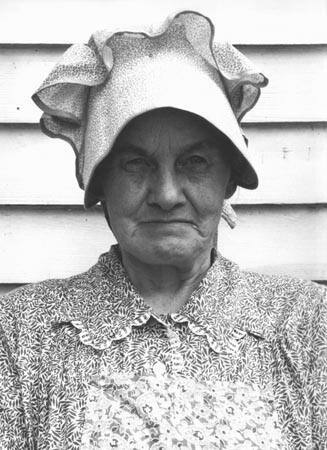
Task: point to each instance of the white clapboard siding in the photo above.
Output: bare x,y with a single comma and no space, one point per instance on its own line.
41,243
240,21
294,94
282,225
291,161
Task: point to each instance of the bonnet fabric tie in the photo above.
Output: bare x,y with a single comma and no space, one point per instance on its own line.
97,88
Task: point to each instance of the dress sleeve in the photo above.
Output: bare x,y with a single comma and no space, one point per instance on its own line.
299,367
317,380
12,423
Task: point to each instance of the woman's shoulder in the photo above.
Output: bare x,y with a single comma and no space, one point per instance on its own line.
38,305
275,291
273,306
33,296
282,287
40,295
284,304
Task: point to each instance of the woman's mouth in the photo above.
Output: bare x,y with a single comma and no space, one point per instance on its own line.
172,222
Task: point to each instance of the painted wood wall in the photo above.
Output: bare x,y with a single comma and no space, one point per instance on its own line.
44,231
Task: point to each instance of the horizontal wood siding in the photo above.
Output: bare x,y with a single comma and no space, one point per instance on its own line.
291,161
44,231
39,243
294,94
239,21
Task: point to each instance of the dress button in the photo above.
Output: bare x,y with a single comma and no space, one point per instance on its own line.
159,369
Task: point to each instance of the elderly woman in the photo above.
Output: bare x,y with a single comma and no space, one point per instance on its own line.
163,343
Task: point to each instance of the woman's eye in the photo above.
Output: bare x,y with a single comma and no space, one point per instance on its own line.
136,165
195,163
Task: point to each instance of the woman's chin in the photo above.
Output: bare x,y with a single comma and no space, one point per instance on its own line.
170,251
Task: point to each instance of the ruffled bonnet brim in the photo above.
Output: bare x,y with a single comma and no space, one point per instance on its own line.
69,93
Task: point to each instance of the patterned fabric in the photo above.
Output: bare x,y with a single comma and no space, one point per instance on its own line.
85,363
95,89
161,412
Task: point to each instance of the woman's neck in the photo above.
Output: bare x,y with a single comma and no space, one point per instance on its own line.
166,288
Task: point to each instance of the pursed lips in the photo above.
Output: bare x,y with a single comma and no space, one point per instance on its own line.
171,221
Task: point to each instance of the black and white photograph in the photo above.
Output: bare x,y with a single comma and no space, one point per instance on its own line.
163,224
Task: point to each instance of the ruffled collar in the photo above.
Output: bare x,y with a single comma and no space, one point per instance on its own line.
104,305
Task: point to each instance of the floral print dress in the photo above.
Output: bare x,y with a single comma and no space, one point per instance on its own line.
86,364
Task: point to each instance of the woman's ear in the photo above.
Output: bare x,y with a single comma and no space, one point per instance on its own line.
230,188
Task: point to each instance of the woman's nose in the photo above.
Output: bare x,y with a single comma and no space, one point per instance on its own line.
166,190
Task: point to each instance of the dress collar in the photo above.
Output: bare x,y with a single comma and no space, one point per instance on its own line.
104,305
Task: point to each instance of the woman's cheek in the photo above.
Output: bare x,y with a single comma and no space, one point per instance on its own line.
127,199
207,198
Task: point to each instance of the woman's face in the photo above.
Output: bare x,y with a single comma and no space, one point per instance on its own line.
164,184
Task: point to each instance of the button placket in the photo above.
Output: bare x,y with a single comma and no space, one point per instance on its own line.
177,360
